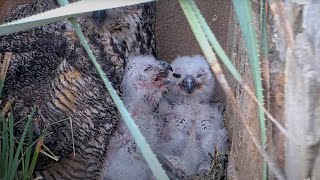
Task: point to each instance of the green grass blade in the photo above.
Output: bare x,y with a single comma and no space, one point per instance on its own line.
71,10
215,44
244,14
34,159
1,85
18,150
11,139
141,142
23,168
1,146
264,52
35,142
26,157
5,148
1,78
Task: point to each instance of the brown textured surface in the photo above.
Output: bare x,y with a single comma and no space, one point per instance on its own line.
244,155
174,36
275,139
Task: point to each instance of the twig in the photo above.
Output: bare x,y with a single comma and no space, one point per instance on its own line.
71,127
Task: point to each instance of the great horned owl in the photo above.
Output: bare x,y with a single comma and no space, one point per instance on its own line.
144,82
51,71
193,124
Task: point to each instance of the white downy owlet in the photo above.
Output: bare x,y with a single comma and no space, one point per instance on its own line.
193,124
144,82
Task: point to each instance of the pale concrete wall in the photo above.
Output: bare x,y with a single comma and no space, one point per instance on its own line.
303,93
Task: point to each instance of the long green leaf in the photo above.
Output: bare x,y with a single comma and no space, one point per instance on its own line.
264,62
264,52
11,139
244,13
70,10
33,143
18,150
34,159
22,163
1,86
1,145
28,152
141,142
5,148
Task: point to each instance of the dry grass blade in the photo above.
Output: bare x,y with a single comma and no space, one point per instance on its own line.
35,157
281,128
48,155
5,65
7,106
4,68
72,137
272,165
51,155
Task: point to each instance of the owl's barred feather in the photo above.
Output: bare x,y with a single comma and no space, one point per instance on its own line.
51,71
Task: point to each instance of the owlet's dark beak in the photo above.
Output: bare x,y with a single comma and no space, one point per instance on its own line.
166,66
188,83
164,70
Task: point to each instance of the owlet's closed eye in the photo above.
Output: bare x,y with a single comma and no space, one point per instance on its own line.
148,68
201,74
176,75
